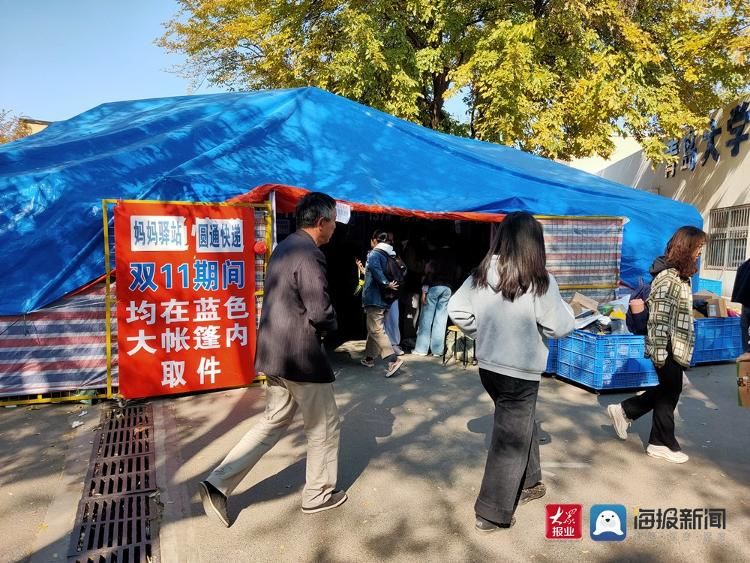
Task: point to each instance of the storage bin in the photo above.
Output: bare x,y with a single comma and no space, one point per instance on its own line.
717,340
552,358
605,361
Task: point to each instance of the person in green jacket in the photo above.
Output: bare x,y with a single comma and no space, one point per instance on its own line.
670,340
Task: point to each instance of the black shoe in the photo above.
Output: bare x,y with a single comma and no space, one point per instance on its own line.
214,503
533,493
485,526
336,499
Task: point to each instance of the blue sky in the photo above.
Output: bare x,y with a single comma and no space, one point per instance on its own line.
61,57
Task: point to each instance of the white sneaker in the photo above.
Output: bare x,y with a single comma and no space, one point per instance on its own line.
398,351
664,452
619,420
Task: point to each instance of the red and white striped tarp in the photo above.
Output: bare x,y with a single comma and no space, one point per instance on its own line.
584,252
59,348
63,347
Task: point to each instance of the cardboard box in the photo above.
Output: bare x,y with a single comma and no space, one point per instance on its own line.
579,302
705,294
698,315
717,307
743,384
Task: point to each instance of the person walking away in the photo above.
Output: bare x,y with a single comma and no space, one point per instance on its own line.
392,316
439,277
391,319
375,306
670,340
297,312
511,305
741,294
413,256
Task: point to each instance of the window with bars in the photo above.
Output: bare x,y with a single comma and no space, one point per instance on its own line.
727,237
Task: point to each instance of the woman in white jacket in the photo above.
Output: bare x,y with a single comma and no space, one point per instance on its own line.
510,306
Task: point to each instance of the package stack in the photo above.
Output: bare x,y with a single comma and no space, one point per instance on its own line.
602,354
718,333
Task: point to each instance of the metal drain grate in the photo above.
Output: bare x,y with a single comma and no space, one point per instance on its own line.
125,475
117,528
117,516
118,443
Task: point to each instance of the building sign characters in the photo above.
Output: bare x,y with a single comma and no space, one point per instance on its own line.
690,151
673,149
710,138
738,118
686,150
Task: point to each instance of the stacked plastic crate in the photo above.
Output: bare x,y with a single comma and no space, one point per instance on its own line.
605,361
717,340
552,358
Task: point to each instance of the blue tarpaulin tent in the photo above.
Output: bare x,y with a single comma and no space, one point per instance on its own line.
215,147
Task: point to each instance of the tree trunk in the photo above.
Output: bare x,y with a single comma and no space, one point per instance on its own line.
439,88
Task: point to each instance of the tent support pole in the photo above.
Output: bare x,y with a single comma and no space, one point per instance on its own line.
272,199
107,297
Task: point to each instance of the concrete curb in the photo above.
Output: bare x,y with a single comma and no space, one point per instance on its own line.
176,519
51,543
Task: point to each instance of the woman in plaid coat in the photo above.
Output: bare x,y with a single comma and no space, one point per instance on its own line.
670,340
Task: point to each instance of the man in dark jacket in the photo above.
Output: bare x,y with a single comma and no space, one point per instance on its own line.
741,294
297,312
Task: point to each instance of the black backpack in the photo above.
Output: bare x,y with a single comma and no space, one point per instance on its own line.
637,322
395,270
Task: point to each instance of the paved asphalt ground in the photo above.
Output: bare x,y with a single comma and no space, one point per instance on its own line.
412,455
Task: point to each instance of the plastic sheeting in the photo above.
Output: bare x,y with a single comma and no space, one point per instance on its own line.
215,147
61,348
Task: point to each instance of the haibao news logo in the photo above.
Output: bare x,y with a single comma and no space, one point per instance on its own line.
564,522
608,522
680,519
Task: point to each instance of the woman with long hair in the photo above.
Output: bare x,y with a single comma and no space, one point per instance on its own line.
670,340
376,306
510,305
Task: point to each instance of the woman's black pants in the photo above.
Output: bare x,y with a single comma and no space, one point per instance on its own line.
661,399
513,457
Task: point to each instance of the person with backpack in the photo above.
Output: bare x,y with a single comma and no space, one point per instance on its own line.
397,272
383,278
670,340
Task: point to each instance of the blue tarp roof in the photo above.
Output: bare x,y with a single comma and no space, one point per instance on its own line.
214,147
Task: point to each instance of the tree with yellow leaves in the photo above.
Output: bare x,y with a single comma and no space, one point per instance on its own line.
555,77
11,127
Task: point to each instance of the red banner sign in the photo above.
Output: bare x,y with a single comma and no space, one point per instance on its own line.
185,297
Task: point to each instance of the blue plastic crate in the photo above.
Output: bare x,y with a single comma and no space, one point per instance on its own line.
714,286
717,340
552,358
607,361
